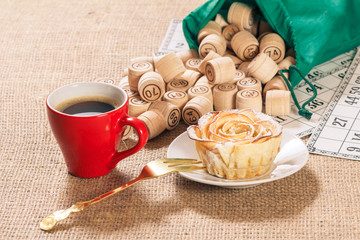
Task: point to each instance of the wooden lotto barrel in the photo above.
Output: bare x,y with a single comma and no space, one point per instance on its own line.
157,57
262,35
178,85
137,106
277,102
263,68
242,15
273,45
170,112
136,70
124,84
211,55
286,63
177,98
228,33
151,86
245,45
220,70
154,122
277,83
249,98
200,91
212,42
224,96
211,27
193,64
170,66
249,83
195,109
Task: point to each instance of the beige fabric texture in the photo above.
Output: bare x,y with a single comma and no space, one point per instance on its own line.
47,44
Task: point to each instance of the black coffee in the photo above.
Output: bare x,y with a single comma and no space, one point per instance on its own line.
91,107
87,106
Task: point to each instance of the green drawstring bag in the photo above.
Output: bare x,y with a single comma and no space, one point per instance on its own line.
318,30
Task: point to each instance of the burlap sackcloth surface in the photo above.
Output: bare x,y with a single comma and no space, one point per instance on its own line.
47,44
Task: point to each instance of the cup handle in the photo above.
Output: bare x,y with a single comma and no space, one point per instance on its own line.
142,134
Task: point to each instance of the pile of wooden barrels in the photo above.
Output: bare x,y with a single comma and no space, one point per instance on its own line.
236,66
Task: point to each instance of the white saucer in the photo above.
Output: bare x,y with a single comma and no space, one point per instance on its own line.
292,157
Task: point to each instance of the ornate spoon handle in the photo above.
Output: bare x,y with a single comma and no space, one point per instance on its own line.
50,221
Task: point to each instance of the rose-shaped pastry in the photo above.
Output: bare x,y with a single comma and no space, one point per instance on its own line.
236,144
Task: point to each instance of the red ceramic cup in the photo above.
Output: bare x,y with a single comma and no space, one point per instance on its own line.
88,143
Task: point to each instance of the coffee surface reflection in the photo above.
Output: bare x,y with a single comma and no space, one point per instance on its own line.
87,106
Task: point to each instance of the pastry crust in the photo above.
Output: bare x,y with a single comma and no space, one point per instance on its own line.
236,144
